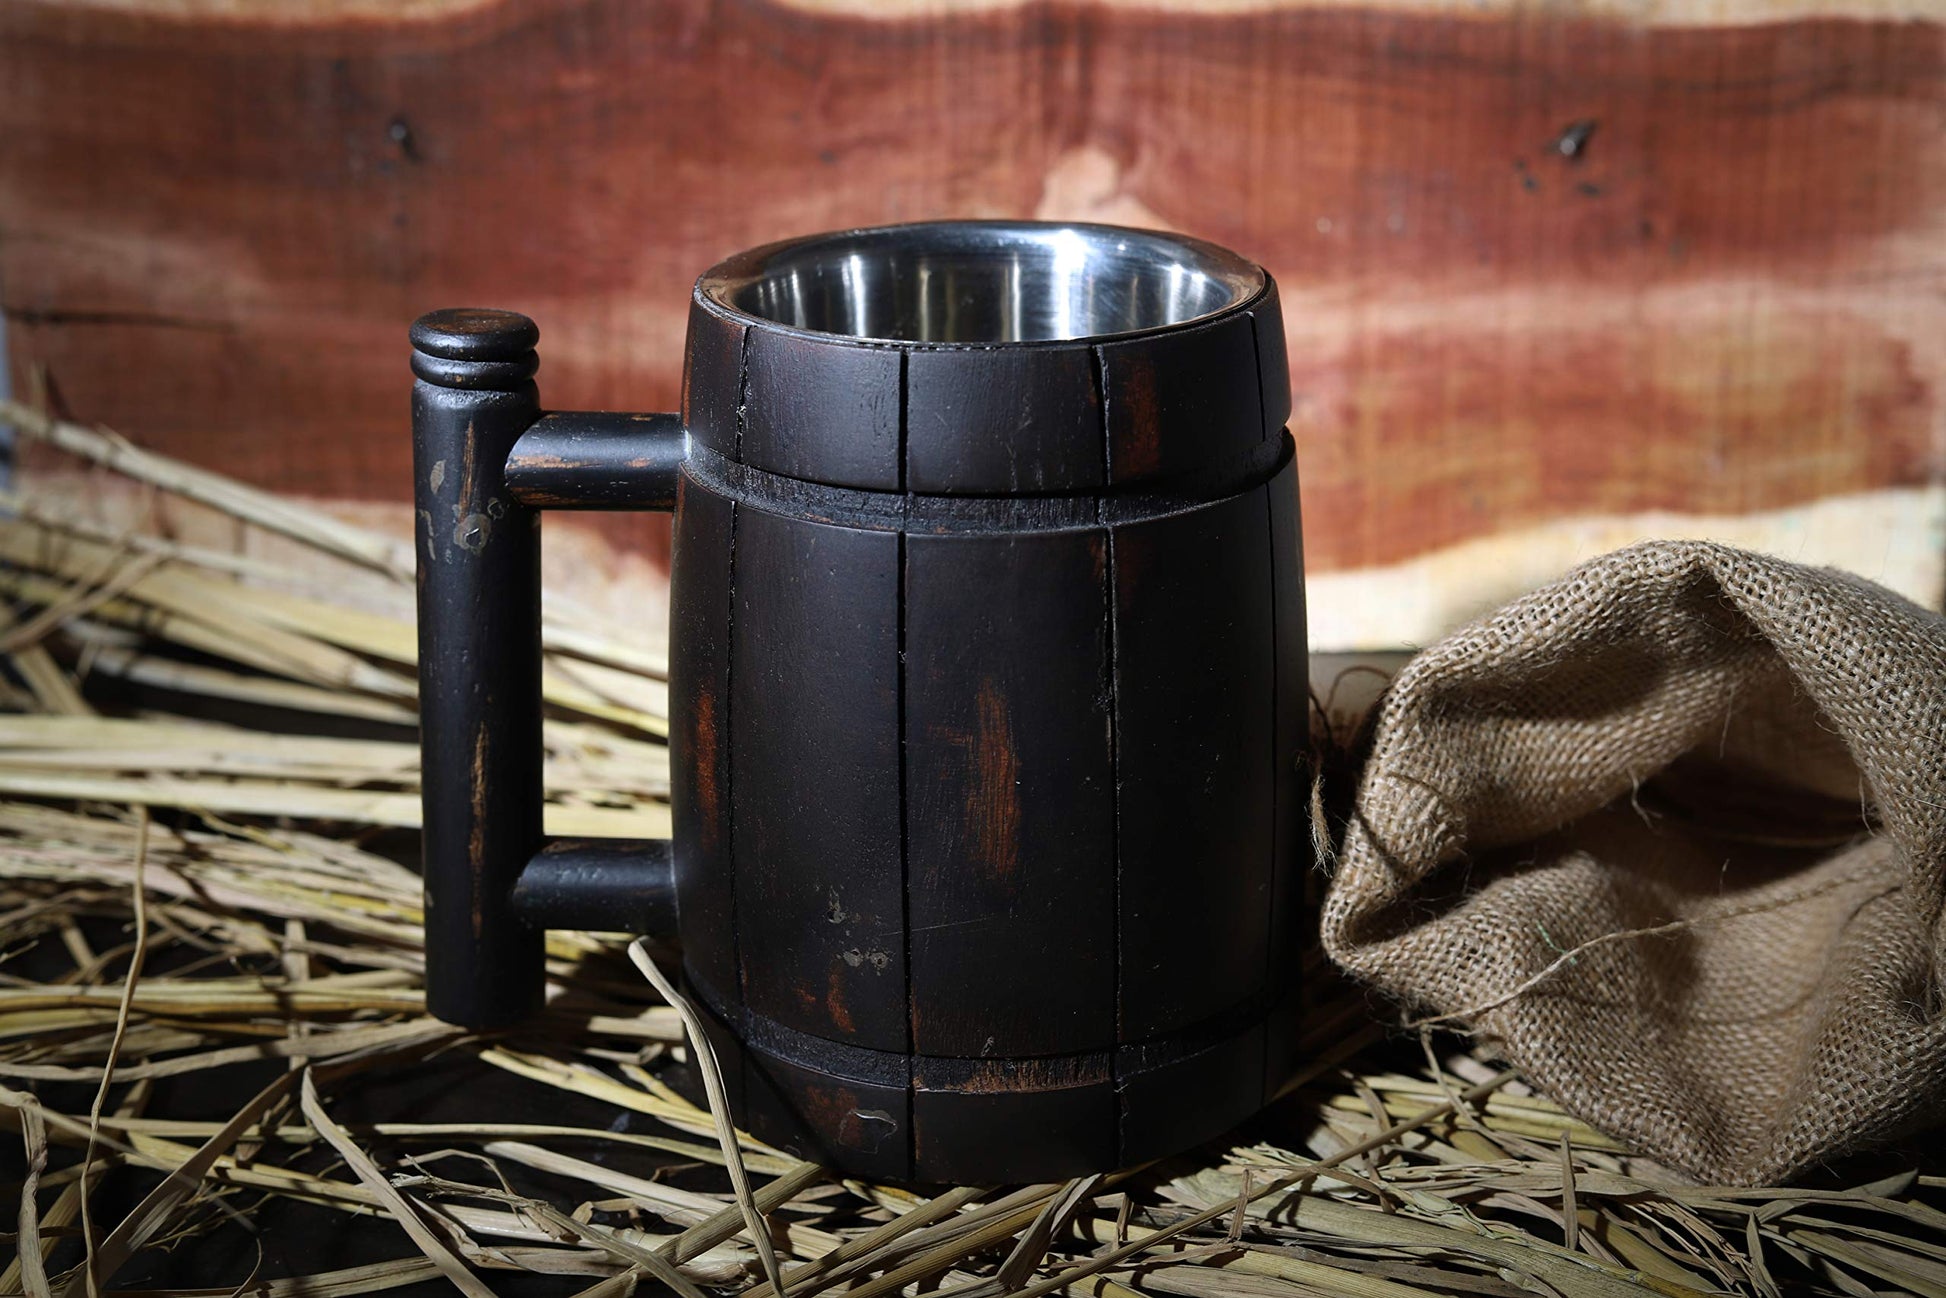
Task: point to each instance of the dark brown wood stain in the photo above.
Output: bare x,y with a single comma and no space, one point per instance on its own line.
1010,828
814,762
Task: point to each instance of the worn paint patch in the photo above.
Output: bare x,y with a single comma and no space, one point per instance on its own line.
705,750
841,1115
472,531
996,1076
867,1129
1135,420
834,1001
992,807
476,834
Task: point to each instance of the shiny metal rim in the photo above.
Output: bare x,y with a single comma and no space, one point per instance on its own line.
982,283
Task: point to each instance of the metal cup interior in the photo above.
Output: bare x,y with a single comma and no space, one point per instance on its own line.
984,282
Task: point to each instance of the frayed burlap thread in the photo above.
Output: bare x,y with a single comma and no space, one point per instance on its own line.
1673,829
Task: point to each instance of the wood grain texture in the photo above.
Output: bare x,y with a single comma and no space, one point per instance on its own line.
700,720
1010,817
1195,762
1724,300
1171,1105
957,433
862,1123
1053,1115
1291,759
825,412
1167,414
814,778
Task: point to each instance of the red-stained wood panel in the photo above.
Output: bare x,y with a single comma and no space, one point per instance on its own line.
213,229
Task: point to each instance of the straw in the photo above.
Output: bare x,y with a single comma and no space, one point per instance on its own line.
196,898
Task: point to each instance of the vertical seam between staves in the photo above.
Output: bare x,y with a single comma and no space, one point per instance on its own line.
1257,366
1111,671
1266,997
905,363
728,743
905,840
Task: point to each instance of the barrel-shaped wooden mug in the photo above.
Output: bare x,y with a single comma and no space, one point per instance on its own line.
988,697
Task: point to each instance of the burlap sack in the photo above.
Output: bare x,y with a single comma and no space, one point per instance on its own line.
1738,754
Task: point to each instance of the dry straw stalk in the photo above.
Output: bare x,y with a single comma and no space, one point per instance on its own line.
281,939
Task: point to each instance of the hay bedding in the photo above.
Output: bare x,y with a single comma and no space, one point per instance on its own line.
218,1073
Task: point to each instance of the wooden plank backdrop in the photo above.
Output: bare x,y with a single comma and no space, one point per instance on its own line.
1555,275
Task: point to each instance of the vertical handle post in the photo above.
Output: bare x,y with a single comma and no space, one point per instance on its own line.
479,662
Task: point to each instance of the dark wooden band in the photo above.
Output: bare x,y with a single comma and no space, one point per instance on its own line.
968,1121
1172,403
943,515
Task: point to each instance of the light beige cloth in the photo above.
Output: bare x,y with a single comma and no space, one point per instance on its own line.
1745,757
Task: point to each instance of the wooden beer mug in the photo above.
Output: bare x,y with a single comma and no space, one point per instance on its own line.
987,689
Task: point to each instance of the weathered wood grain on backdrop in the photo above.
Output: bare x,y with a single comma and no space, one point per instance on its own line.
1554,275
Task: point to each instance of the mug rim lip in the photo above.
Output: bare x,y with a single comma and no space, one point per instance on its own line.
740,269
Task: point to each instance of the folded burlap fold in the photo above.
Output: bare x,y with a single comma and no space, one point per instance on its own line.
1674,829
